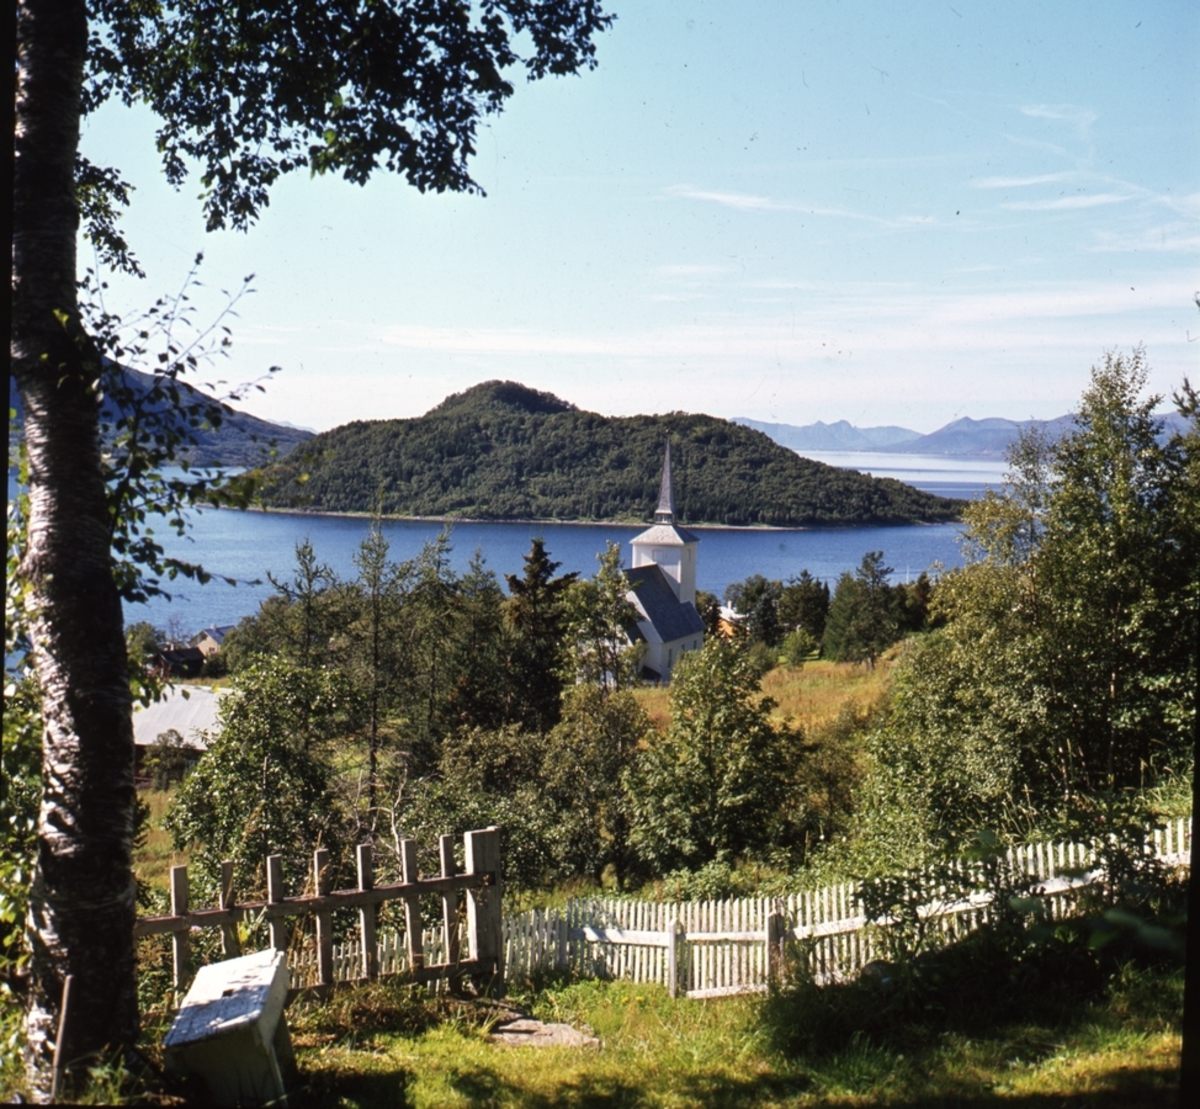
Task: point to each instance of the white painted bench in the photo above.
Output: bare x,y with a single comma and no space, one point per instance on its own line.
230,1031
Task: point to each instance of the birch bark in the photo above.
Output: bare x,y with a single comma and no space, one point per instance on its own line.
82,902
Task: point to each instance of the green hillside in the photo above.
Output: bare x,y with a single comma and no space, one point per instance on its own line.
501,451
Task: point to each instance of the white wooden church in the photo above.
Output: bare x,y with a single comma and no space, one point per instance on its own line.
662,587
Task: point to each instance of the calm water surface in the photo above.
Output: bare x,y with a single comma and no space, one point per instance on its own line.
246,545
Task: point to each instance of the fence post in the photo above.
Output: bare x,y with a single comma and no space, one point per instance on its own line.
673,957
324,919
562,958
180,941
449,900
277,924
775,938
231,946
366,915
412,907
484,923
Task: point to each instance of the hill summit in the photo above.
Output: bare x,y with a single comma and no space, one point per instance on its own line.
511,395
503,451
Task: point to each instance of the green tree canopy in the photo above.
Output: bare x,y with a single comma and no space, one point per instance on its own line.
710,788
263,787
864,616
536,615
1066,663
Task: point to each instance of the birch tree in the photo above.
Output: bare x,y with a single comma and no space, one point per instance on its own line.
244,93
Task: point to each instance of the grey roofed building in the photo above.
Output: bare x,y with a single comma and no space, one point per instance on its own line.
192,716
662,586
651,592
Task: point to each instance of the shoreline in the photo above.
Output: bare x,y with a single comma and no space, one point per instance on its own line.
451,520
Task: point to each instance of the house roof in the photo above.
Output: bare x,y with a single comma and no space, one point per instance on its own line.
189,710
672,619
216,633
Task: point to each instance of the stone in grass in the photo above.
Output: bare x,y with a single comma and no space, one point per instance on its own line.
230,1031
527,1032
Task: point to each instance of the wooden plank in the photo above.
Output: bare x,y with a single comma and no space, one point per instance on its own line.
724,991
278,923
231,946
756,936
591,933
412,908
484,921
324,919
449,900
367,915
301,906
180,940
672,944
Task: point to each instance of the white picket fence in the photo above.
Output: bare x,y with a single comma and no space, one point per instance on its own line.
715,948
391,949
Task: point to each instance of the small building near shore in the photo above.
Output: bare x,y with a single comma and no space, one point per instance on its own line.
209,641
188,711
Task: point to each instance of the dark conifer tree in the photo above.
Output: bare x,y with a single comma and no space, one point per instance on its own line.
535,615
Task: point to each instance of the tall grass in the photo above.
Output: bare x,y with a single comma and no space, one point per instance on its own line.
811,695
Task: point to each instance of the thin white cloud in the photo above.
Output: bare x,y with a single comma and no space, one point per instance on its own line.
1065,203
743,202
746,202
1019,182
1171,238
840,318
1079,118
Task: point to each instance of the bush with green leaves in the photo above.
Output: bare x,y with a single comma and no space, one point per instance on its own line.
167,759
585,767
798,647
1066,664
263,786
711,788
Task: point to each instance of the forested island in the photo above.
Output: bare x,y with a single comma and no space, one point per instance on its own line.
502,451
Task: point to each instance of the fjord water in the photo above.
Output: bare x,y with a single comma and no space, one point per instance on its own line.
247,545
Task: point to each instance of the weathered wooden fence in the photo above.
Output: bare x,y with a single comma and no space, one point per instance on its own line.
697,949
424,955
712,948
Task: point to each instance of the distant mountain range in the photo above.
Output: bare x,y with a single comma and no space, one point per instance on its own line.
241,440
842,436
962,438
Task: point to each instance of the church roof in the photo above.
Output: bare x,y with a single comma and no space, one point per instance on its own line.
664,532
666,535
672,618
665,512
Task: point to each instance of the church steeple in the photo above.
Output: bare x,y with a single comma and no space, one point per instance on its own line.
665,513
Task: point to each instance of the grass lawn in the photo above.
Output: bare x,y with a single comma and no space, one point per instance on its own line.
1121,1050
155,855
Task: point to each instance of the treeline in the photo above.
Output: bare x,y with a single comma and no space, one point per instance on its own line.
1046,688
412,700
794,621
1056,695
501,451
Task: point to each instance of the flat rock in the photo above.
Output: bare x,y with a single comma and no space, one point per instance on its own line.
527,1032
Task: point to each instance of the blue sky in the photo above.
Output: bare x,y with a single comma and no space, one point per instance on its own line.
888,213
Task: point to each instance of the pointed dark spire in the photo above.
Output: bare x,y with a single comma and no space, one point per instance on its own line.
665,513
